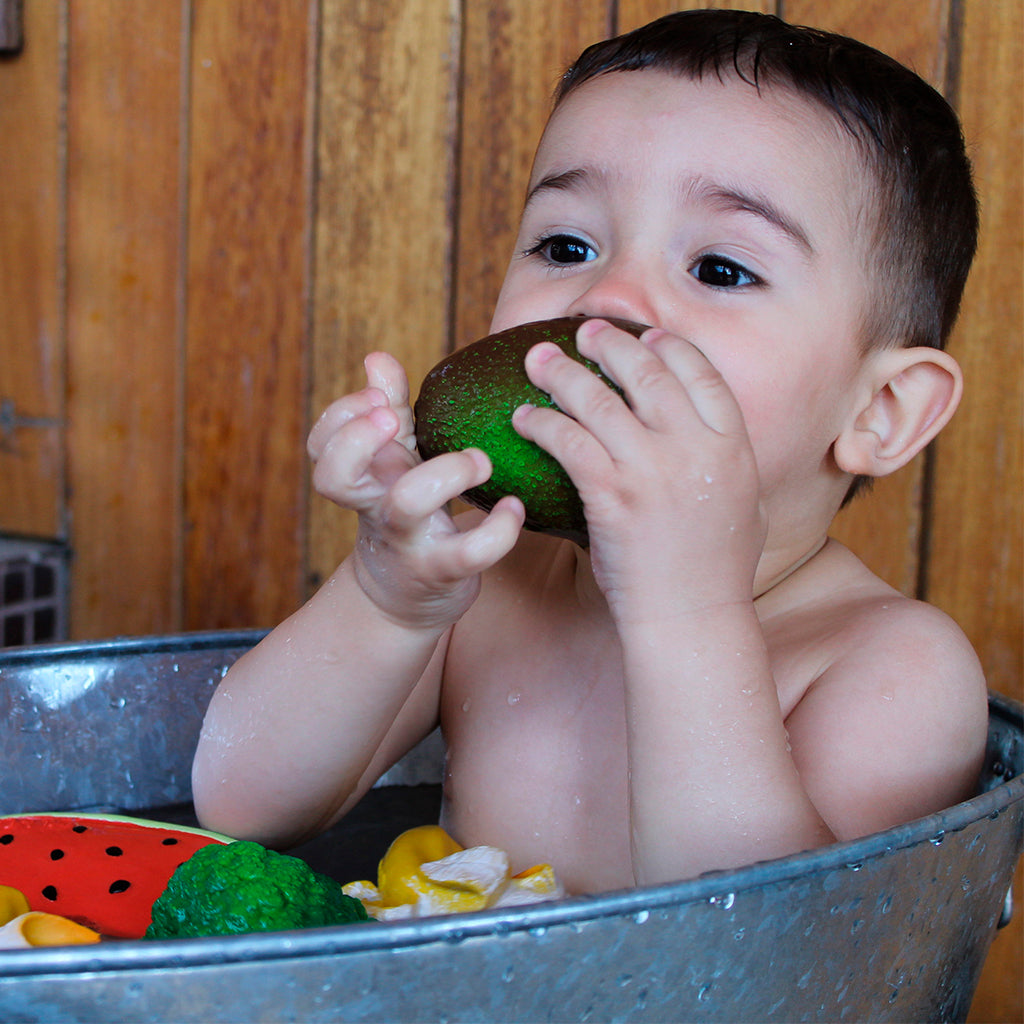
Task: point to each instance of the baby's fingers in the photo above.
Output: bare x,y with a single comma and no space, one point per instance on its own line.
357,462
432,484
706,388
340,412
480,547
385,372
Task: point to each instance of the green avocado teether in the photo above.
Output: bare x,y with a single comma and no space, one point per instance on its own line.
467,400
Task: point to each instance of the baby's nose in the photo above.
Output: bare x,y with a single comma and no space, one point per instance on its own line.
621,291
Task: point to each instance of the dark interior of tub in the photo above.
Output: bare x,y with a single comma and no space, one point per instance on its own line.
351,849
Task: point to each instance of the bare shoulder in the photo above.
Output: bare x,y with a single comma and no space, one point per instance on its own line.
893,725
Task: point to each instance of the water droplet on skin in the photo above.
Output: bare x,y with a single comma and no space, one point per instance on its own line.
514,698
465,705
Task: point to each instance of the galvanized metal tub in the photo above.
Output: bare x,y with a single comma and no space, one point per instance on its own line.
892,927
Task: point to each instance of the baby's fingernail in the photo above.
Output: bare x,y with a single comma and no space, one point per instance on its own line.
381,416
544,351
591,327
521,410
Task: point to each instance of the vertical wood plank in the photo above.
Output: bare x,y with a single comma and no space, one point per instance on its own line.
515,52
975,568
976,565
884,526
634,13
31,253
246,332
385,206
122,258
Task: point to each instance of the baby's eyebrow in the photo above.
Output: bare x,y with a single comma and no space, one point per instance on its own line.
760,206
563,181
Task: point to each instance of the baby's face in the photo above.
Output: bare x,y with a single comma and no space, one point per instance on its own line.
729,217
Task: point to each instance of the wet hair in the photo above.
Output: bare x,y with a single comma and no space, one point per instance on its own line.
924,226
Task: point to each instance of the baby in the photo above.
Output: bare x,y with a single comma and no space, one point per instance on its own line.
713,680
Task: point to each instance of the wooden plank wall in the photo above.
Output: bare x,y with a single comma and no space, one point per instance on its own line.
210,210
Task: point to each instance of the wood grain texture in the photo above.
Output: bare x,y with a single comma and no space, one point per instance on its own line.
884,525
31,300
246,329
975,566
386,152
634,13
123,243
515,52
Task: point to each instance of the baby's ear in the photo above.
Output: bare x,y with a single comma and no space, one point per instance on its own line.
913,394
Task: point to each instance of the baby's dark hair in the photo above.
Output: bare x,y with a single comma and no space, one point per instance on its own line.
926,213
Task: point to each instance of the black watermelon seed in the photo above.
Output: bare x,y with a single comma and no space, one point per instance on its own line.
56,854
121,885
169,841
79,828
7,839
50,892
114,851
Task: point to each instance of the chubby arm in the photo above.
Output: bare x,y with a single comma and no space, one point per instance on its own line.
671,493
304,723
892,724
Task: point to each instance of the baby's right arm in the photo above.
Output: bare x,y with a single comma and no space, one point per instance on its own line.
304,723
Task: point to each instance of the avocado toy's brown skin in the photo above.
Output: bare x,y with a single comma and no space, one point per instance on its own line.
467,400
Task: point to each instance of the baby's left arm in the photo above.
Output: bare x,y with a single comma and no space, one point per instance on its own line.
671,493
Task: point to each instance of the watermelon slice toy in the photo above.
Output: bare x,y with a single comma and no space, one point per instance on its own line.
104,871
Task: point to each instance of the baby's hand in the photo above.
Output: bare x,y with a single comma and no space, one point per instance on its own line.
410,558
668,481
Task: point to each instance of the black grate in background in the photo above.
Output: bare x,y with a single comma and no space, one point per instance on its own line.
33,591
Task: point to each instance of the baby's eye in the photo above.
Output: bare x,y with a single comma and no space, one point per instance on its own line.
720,272
562,249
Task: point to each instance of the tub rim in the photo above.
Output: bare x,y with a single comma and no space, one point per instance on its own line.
712,886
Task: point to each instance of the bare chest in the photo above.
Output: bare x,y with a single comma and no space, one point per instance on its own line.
533,712
534,724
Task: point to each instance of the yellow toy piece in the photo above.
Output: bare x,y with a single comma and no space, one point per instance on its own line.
12,903
426,872
399,878
21,928
37,928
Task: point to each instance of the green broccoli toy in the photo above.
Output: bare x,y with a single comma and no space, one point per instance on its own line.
243,887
